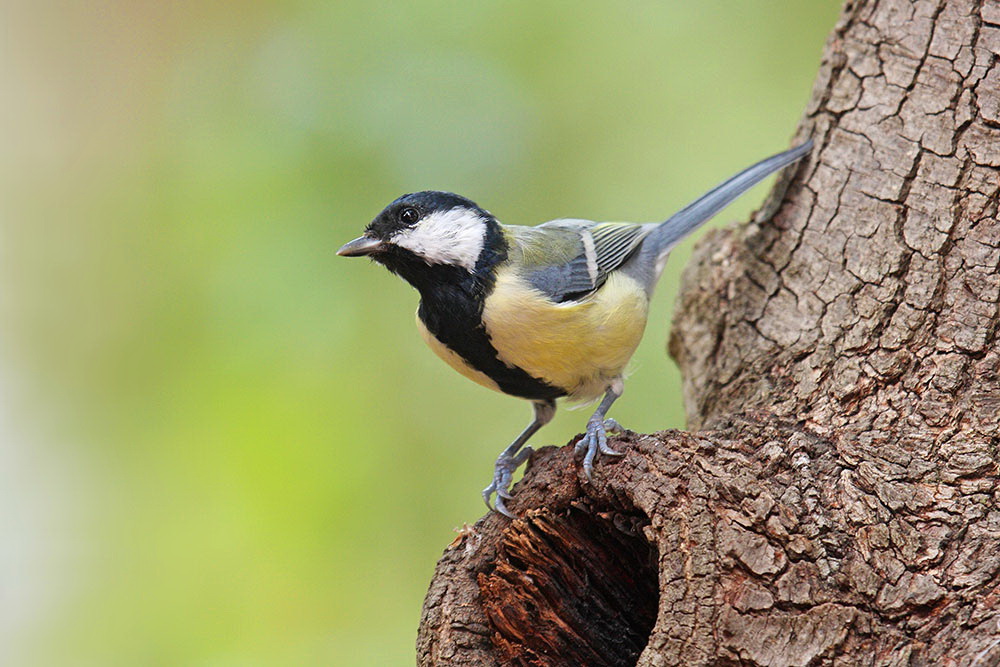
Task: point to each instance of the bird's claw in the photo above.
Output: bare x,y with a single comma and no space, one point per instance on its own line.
503,472
596,440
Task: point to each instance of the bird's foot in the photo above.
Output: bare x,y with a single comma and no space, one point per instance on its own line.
596,440
503,472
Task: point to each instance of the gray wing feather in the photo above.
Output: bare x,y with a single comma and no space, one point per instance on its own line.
614,242
569,259
601,247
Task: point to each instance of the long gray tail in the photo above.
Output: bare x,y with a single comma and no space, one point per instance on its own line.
680,224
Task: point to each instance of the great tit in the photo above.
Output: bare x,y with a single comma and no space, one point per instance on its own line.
541,313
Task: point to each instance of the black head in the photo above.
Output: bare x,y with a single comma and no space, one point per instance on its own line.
430,229
406,211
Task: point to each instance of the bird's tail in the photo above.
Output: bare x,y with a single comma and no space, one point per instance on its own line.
668,233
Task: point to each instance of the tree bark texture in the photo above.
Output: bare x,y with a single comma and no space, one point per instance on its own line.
837,502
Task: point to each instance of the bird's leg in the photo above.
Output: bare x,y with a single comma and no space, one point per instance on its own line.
596,438
511,458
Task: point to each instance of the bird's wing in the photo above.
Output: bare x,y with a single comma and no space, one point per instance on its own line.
569,259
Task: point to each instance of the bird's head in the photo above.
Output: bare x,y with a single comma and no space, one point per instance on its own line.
430,229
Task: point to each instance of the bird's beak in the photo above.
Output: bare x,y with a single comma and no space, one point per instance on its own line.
364,245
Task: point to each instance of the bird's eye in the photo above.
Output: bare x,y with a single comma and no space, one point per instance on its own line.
409,216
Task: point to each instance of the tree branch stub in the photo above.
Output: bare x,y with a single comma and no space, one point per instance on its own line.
840,504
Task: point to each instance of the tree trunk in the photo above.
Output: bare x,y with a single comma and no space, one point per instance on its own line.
839,502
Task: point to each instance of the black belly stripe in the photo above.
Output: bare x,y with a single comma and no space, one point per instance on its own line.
457,323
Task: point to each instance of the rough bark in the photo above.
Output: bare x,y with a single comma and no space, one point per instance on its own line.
839,502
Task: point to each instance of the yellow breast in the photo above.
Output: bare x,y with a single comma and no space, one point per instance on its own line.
579,346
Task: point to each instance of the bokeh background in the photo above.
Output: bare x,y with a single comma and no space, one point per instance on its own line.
220,444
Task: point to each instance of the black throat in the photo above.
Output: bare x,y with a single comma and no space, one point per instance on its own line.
451,307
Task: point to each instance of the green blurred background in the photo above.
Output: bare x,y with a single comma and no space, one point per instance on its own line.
220,444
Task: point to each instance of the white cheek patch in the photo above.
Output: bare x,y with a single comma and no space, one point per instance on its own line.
446,237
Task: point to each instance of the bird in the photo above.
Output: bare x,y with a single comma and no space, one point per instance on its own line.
546,312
